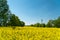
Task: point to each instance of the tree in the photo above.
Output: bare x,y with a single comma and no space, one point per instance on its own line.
22,23
37,25
6,17
57,22
54,23
3,12
15,21
42,25
49,24
31,25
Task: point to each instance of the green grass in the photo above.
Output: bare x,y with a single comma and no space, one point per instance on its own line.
29,33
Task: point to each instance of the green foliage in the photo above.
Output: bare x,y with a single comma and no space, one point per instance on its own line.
22,23
54,23
43,25
6,17
15,21
31,25
3,12
57,22
49,24
37,25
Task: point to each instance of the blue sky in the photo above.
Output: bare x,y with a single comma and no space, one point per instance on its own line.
32,11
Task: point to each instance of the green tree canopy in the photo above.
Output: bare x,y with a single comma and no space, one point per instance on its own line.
54,23
15,21
6,17
57,22
3,12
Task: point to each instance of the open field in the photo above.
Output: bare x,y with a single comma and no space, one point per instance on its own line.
29,33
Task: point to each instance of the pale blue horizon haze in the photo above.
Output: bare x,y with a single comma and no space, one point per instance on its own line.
32,11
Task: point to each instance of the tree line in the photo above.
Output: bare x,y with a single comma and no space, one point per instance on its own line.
51,23
6,17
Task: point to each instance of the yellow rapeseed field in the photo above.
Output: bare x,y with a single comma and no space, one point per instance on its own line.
29,33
